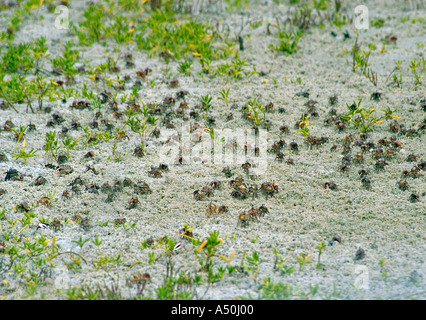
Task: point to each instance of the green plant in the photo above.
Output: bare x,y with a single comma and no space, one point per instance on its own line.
152,258
288,42
276,291
360,58
30,289
15,90
206,102
23,154
389,113
135,93
114,151
125,225
40,87
13,26
396,80
107,262
104,292
168,245
19,134
18,58
228,260
91,29
224,96
104,262
66,62
377,22
320,248
26,220
93,75
209,247
121,30
255,108
382,263
105,224
141,125
2,215
185,67
39,49
360,61
280,266
303,259
235,70
97,242
81,242
51,196
172,289
160,34
337,18
97,104
52,143
43,220
90,137
70,144
287,269
85,93
413,66
304,125
363,118
254,262
423,62
205,65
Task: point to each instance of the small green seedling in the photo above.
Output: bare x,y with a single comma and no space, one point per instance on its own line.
52,143
254,264
363,118
320,248
23,154
396,78
360,117
141,125
389,113
19,133
255,108
185,67
382,264
288,42
209,247
304,125
206,102
69,144
303,259
81,242
413,66
224,96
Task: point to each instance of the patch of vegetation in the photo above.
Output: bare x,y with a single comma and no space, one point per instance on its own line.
365,119
288,42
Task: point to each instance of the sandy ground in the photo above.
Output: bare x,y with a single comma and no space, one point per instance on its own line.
381,220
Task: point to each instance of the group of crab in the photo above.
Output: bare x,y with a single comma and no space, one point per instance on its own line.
381,152
252,215
241,190
141,187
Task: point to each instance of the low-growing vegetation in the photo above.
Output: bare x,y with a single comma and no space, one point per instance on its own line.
157,150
